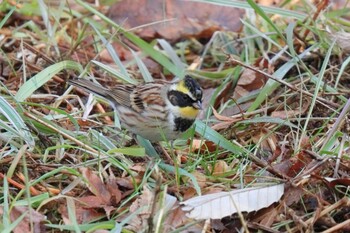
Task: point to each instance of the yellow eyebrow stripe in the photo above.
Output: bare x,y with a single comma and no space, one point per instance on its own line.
182,88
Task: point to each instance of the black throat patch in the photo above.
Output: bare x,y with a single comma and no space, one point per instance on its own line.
182,124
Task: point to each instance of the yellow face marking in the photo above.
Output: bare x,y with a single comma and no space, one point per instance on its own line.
182,88
188,112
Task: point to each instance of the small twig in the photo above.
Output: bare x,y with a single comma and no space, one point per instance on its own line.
338,227
79,143
338,122
258,226
268,167
38,53
302,38
297,219
313,168
156,194
320,7
206,226
339,156
322,100
342,202
32,190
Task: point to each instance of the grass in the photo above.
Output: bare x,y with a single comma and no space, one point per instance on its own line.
47,140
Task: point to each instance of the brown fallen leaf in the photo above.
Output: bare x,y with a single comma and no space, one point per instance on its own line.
268,143
177,218
203,145
189,192
96,186
299,162
201,178
105,199
285,114
221,167
249,81
269,217
31,219
113,189
142,208
83,213
174,19
293,194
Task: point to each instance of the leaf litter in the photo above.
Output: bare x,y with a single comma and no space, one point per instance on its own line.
311,164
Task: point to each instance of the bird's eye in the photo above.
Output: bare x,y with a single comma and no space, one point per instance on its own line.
186,97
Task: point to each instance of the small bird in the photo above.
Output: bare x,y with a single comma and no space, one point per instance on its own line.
156,111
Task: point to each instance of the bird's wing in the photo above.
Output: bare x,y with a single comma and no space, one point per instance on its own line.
120,95
144,98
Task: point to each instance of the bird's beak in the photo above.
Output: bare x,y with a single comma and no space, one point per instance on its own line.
197,105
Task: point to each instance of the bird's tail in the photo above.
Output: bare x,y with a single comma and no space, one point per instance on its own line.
89,87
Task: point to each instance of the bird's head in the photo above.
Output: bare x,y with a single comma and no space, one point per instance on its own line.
186,96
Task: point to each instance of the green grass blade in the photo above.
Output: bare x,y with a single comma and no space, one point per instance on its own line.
6,207
71,214
261,12
83,227
321,75
261,34
116,73
271,85
182,172
267,119
113,53
133,151
290,35
149,149
267,9
211,135
15,119
142,67
171,53
28,88
7,16
13,225
146,47
34,201
60,111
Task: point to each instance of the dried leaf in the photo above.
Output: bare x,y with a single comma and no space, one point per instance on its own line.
142,207
219,205
299,163
203,145
340,181
201,178
269,217
82,213
285,114
113,188
223,118
226,121
268,143
96,186
186,19
177,218
221,167
33,221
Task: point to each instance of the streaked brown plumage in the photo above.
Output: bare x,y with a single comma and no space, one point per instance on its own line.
157,110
